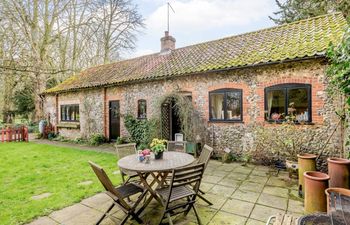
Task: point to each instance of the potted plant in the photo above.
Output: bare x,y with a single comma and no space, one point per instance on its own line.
158,146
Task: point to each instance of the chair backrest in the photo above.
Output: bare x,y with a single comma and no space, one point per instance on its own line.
205,155
339,208
185,176
177,146
107,184
179,137
125,150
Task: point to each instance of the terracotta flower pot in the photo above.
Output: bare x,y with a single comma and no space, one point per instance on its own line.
315,185
339,172
328,191
306,162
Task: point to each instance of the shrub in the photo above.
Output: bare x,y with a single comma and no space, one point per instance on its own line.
51,136
79,140
122,140
141,131
97,139
142,146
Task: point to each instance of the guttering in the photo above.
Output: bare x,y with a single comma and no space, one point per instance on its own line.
193,73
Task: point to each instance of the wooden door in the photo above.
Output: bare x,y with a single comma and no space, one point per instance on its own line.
114,120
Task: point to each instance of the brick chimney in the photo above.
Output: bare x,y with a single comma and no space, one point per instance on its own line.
167,42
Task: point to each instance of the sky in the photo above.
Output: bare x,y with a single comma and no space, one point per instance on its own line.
196,21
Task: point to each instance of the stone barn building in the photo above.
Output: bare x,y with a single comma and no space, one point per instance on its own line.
233,83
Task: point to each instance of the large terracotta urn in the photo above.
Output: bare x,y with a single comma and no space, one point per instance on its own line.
316,184
339,172
306,162
328,192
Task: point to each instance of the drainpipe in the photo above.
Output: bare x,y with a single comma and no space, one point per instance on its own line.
105,111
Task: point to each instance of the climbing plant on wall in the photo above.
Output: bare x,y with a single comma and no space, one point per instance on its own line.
339,74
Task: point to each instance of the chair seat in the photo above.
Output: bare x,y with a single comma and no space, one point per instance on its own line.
129,189
176,193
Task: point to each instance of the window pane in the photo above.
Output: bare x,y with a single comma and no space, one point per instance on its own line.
77,117
217,106
299,98
275,104
142,109
70,113
233,107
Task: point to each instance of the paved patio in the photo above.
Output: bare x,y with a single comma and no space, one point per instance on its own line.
245,195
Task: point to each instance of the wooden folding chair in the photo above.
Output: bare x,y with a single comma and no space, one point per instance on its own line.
180,195
122,151
204,157
176,146
119,194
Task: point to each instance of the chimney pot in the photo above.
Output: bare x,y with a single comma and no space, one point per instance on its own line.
167,42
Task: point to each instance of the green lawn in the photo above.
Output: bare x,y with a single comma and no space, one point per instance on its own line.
29,169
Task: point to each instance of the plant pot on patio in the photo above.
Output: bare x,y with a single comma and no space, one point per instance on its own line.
306,162
315,185
339,172
341,191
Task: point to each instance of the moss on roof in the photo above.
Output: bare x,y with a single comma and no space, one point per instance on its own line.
300,39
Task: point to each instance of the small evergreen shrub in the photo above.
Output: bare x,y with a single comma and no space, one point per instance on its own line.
97,139
122,140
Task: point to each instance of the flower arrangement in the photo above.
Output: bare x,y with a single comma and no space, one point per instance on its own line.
158,145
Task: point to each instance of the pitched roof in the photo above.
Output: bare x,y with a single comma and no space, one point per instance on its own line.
305,38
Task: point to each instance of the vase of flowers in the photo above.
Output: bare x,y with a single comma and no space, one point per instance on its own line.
158,146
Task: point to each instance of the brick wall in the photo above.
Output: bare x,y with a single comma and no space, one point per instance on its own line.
252,81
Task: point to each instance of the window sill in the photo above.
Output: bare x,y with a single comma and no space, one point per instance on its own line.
72,125
224,121
281,122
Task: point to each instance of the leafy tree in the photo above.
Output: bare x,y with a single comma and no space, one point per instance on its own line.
294,10
24,101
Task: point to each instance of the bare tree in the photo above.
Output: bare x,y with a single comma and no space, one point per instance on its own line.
52,39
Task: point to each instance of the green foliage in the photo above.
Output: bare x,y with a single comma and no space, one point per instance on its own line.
158,145
97,139
24,101
29,169
339,69
142,146
294,10
122,140
51,136
192,124
141,131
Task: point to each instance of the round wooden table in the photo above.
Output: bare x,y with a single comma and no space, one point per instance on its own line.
158,170
170,161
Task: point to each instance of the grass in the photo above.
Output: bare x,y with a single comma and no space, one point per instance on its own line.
29,169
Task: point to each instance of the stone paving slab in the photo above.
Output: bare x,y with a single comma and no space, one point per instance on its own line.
241,195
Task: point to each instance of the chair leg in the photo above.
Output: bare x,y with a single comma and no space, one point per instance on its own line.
161,218
197,216
169,218
125,219
105,214
137,218
202,192
204,199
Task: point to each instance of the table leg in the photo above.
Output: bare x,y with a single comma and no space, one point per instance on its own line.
160,183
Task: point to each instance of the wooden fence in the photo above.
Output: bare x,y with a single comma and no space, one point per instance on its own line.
14,134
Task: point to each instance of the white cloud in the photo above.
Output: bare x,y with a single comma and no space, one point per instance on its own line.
200,15
196,21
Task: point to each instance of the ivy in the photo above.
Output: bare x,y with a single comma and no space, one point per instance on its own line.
339,69
142,131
